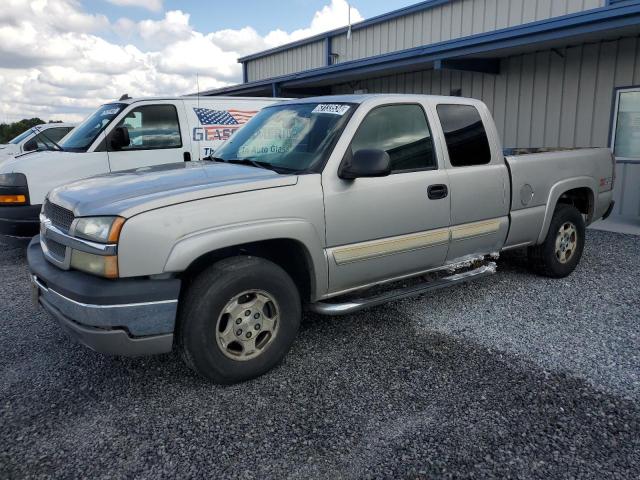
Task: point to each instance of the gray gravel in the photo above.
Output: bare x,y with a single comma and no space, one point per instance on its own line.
515,376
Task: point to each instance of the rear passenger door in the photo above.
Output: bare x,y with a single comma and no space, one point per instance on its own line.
157,134
478,180
380,228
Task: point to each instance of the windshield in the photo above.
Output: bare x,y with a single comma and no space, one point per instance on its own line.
21,137
292,137
81,137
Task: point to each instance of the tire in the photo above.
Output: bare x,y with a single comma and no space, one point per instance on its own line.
209,339
558,257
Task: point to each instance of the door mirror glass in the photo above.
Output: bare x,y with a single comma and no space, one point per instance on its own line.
120,138
367,162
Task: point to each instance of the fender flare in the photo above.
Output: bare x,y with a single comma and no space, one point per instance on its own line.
555,192
195,245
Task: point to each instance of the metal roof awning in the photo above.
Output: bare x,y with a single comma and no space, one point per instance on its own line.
476,52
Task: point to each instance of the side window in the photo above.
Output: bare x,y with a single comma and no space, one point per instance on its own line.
465,135
56,134
400,130
152,127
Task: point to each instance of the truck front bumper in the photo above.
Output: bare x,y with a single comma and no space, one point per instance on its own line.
129,317
19,223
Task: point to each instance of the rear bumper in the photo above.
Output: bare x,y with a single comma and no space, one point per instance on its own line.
19,223
129,317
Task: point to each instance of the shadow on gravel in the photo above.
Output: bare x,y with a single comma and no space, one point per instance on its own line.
357,397
370,395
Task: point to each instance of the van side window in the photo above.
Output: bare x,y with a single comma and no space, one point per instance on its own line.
465,135
152,127
57,133
400,130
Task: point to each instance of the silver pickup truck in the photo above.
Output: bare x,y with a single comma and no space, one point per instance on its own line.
332,204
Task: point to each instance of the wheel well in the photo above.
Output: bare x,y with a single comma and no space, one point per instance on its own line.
581,198
289,254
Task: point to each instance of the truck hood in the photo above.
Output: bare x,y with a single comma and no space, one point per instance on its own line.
43,159
130,192
7,151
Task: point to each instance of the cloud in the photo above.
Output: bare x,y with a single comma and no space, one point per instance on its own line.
153,5
56,62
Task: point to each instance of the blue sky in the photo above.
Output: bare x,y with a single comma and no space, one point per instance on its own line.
60,59
262,15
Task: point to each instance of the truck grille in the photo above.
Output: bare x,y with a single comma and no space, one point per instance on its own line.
60,217
56,249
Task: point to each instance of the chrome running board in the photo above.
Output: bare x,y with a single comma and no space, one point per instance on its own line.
350,306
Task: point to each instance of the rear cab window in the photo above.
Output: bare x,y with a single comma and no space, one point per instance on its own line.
465,135
403,132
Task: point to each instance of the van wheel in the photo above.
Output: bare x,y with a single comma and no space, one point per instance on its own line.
561,250
238,319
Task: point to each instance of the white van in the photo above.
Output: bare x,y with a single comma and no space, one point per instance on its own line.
40,137
122,135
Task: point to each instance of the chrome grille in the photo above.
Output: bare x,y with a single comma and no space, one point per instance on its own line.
56,249
60,217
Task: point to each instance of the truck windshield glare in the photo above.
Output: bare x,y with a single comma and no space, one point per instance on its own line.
81,138
292,137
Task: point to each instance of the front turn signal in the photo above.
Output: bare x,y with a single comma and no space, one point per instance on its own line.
13,199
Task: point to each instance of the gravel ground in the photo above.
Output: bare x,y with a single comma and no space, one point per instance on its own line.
515,376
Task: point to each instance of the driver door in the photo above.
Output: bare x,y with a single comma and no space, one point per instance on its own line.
156,137
386,227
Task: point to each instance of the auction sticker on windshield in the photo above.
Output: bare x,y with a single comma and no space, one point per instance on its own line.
333,108
111,111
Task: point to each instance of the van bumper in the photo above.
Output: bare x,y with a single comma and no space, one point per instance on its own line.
130,317
18,224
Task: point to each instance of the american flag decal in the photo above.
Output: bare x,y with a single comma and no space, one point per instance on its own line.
223,118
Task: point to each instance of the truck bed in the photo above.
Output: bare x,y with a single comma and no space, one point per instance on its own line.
539,176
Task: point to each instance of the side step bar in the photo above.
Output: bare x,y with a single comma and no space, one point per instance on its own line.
351,306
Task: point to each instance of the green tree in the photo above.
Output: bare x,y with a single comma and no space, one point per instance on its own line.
10,130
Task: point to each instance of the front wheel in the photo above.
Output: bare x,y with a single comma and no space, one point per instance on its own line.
238,319
560,253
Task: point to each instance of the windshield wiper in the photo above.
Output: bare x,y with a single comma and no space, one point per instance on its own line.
251,163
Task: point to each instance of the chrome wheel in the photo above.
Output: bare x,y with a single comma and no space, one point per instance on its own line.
566,242
247,325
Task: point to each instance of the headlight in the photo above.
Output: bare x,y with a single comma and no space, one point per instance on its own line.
13,180
99,229
104,266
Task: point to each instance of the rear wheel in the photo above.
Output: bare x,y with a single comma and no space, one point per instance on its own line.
238,319
561,250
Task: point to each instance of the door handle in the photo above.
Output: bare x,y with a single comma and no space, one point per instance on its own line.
436,192
187,157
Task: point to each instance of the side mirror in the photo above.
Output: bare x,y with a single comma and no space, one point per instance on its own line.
120,138
366,163
30,146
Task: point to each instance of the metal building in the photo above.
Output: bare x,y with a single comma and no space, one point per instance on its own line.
555,73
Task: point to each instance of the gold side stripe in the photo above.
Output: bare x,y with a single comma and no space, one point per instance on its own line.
414,241
475,229
389,246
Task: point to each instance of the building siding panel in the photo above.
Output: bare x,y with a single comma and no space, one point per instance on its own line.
297,59
560,98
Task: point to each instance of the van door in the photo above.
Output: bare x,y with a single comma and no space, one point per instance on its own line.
381,228
158,134
478,179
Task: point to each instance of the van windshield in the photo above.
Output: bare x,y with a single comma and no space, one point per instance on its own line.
81,137
21,137
291,137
